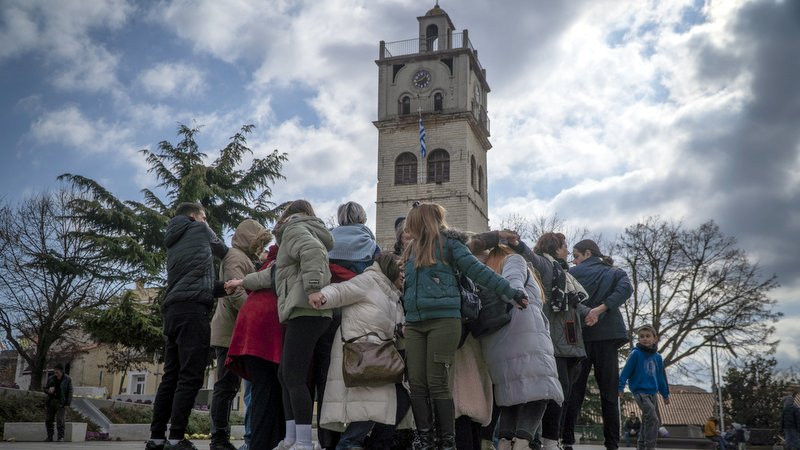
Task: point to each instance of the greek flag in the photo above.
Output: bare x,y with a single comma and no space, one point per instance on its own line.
422,148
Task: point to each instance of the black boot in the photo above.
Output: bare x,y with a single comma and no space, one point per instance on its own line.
423,436
221,441
445,412
423,440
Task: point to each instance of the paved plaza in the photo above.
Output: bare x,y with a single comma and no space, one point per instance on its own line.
201,445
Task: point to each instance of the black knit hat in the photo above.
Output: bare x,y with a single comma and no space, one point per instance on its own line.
59,366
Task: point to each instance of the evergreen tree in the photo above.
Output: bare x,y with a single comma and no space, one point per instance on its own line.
131,327
133,231
752,394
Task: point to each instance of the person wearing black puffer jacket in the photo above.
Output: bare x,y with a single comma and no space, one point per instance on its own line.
604,332
189,298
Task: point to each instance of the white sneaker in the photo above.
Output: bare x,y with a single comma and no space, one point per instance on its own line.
284,446
299,446
550,444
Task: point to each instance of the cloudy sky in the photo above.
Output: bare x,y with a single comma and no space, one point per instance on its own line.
603,112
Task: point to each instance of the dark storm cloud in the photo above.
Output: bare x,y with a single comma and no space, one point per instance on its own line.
754,159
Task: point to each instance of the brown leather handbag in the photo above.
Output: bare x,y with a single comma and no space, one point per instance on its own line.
371,364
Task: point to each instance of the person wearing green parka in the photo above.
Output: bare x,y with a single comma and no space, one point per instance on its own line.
432,302
301,268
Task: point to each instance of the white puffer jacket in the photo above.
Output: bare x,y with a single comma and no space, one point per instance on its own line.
520,355
370,303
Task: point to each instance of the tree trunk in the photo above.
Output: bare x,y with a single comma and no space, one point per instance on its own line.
122,382
38,366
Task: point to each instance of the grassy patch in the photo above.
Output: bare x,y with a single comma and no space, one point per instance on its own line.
198,422
33,409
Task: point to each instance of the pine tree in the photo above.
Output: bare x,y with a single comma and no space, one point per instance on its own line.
133,231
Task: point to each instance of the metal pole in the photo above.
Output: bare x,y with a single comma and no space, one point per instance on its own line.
719,396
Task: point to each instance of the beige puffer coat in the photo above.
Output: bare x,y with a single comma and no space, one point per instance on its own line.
247,244
370,303
301,267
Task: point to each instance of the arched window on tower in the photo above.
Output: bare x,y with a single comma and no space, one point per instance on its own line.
405,105
432,38
480,181
405,169
472,171
437,101
439,166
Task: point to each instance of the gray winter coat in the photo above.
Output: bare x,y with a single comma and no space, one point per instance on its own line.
520,355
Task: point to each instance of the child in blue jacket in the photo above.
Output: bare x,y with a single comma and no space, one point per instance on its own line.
644,373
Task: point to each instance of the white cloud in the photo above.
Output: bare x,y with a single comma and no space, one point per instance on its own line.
69,126
60,32
173,79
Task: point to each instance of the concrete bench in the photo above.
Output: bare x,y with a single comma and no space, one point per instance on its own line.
129,431
36,431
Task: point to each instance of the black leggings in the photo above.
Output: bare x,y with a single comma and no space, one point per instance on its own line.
302,334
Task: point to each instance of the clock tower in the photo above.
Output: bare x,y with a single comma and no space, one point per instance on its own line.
438,79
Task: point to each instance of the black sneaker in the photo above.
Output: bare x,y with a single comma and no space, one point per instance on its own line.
183,444
151,445
49,439
60,439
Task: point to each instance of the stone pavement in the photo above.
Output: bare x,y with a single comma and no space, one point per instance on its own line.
201,445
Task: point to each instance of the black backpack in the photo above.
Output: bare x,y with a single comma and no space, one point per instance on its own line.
495,311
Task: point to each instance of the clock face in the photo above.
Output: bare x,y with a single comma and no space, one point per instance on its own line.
421,79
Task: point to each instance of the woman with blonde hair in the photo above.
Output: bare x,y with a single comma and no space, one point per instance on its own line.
433,315
520,356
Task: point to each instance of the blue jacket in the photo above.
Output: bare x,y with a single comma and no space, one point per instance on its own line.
431,292
605,285
644,372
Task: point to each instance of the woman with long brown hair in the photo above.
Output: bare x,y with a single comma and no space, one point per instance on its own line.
433,315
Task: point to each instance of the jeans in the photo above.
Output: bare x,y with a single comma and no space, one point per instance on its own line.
521,421
248,395
185,356
225,389
648,433
55,412
602,356
267,422
553,420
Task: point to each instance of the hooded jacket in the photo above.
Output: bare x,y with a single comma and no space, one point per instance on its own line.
644,372
565,326
247,242
191,247
431,292
605,285
302,265
520,355
370,303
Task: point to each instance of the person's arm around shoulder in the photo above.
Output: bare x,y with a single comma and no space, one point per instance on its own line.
627,371
337,295
661,376
218,248
480,273
312,255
